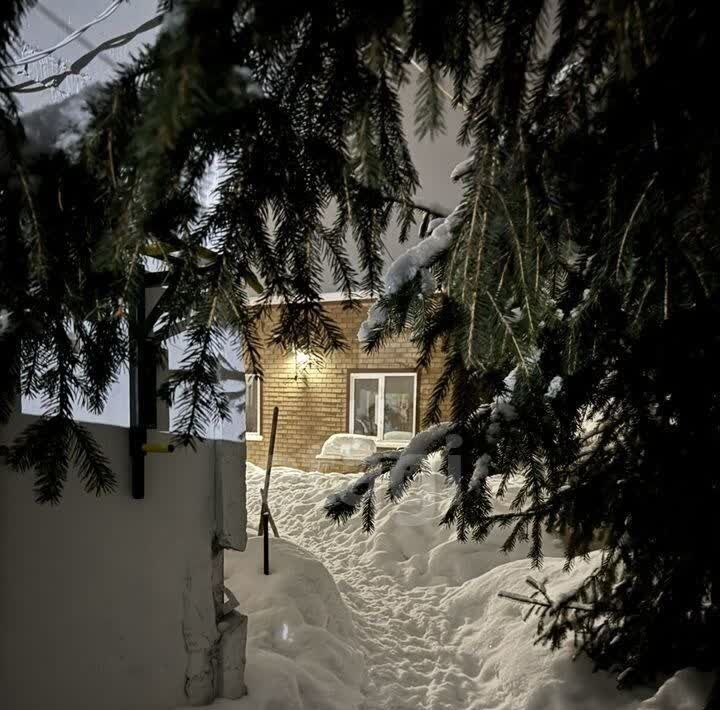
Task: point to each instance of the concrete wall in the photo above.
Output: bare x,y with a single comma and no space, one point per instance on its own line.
100,597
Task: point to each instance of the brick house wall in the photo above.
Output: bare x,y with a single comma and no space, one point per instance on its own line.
314,401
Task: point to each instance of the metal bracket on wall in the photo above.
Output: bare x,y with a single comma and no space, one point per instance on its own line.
143,385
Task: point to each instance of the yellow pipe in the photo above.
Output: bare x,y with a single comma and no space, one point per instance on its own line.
158,448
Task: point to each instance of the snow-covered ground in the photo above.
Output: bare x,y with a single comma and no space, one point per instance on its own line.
406,618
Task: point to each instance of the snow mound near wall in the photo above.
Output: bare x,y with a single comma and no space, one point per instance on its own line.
302,653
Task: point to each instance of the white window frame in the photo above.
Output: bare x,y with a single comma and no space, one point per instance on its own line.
254,435
380,405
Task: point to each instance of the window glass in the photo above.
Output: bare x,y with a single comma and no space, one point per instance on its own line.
365,412
399,407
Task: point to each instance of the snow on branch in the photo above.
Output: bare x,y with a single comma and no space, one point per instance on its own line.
412,456
419,258
5,320
59,126
416,260
431,207
342,504
376,317
501,409
462,169
400,466
554,388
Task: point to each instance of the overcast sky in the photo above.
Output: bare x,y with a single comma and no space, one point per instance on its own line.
434,160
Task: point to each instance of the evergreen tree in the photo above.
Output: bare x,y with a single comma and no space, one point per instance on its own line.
573,294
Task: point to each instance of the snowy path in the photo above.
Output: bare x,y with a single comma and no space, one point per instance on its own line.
404,640
409,648
427,620
394,582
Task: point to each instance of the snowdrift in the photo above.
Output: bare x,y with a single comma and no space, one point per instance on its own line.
302,651
407,618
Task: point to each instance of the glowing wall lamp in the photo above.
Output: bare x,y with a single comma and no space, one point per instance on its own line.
302,359
303,363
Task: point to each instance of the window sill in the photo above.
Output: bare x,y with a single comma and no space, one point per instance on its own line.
340,458
392,444
253,437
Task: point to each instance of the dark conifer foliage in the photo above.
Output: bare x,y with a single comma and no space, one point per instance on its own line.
578,318
577,302
299,108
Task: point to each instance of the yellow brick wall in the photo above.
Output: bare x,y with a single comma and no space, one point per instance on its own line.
314,404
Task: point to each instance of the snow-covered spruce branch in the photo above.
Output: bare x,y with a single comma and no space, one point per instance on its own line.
488,420
399,466
434,209
462,169
416,260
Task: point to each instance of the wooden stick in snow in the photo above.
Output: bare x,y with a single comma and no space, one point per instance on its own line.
265,508
266,542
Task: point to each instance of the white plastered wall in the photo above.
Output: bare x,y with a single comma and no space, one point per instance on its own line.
95,592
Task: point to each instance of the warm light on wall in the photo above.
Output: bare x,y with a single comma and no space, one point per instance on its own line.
303,364
302,359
